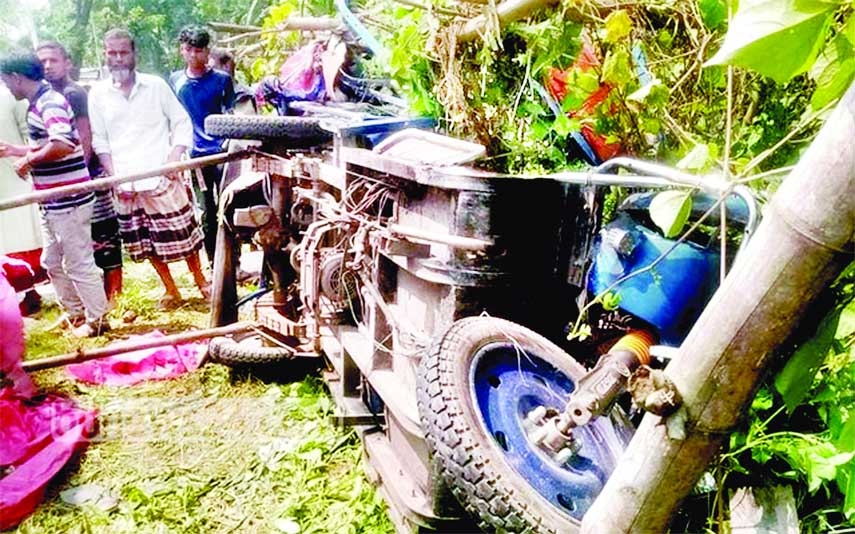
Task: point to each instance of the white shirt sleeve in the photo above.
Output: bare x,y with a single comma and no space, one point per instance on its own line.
180,125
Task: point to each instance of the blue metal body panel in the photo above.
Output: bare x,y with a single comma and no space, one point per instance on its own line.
672,294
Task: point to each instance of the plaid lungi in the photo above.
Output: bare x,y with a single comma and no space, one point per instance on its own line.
159,223
106,238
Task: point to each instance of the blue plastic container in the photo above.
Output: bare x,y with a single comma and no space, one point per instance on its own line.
672,294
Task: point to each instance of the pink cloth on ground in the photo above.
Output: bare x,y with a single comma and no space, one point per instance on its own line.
133,367
12,340
37,438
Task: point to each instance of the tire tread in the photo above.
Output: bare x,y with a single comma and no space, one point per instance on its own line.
473,479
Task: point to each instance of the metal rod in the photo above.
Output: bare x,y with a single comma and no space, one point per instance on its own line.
122,347
111,181
456,241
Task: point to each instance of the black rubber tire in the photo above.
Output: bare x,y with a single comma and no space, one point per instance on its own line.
473,466
233,353
303,130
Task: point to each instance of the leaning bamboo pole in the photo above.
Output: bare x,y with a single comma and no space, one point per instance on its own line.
805,240
112,181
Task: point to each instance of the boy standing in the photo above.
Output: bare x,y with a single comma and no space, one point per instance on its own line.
203,91
55,158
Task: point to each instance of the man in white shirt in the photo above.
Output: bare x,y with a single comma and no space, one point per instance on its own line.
138,124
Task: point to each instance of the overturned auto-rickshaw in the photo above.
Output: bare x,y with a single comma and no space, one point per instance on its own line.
439,299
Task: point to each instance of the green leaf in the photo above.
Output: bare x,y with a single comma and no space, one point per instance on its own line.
573,100
833,82
761,455
846,325
713,13
587,81
821,462
540,129
582,333
833,71
670,210
846,483
665,38
531,108
642,93
564,125
698,158
845,438
777,38
610,300
618,26
616,70
763,400
651,125
795,379
848,30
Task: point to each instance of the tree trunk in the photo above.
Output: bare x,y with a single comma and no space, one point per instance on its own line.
804,241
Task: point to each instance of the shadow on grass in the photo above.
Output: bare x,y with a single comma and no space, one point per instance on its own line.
282,372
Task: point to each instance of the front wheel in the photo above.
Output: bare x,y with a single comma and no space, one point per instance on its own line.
476,387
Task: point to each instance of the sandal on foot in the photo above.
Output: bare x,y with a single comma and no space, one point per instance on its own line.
66,321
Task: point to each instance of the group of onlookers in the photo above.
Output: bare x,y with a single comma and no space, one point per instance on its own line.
129,123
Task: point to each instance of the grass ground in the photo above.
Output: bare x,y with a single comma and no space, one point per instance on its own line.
211,451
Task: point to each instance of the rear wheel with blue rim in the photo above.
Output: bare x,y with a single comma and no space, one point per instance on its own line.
476,388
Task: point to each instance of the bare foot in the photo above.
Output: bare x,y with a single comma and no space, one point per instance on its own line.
205,290
169,301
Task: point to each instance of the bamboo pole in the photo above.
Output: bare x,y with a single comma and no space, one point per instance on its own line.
111,181
233,28
507,12
122,347
804,241
304,24
512,10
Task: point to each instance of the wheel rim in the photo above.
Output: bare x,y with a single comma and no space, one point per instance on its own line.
506,385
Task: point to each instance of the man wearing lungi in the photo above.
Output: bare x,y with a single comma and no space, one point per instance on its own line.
139,124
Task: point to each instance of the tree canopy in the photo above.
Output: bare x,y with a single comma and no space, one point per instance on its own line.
80,24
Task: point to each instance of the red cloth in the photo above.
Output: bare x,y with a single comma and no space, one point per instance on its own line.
33,258
556,82
36,439
18,272
133,367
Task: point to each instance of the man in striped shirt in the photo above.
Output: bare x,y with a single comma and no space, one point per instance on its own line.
55,158
105,223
